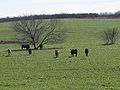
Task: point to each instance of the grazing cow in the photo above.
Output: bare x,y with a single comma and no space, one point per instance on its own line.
30,51
9,52
86,52
56,53
73,51
25,46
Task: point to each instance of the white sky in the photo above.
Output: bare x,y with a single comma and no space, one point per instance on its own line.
21,7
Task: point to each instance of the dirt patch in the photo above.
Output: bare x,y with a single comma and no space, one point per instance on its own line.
37,49
9,42
17,42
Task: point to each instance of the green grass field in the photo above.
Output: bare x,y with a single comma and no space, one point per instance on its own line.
41,71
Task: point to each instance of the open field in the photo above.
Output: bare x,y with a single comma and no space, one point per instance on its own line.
41,71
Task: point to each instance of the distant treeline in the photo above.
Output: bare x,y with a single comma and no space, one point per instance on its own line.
62,16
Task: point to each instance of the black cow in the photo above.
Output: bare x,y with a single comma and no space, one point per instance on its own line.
56,53
73,51
86,52
27,46
30,51
9,52
41,46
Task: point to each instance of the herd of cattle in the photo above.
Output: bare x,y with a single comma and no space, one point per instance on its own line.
72,51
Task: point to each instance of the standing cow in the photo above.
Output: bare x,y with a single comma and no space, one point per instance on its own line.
86,52
30,51
73,52
41,46
27,46
56,53
9,52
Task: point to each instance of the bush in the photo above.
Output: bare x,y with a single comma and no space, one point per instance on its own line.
110,36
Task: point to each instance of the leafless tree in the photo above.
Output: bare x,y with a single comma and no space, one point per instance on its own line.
110,36
39,32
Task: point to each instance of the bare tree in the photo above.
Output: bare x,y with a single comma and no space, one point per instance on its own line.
39,32
110,36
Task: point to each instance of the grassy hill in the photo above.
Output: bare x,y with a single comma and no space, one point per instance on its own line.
41,71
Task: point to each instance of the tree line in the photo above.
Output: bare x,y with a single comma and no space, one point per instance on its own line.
62,16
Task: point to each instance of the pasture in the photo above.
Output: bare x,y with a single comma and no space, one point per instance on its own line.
41,71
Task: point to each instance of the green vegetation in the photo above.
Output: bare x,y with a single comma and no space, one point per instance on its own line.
41,71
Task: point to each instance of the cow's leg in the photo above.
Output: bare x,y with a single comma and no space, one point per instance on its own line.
56,55
76,54
86,54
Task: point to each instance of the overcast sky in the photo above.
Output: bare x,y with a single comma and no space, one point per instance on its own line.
27,7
